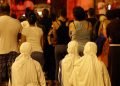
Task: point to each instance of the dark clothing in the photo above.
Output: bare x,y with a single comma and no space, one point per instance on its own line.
95,27
50,66
61,46
95,30
114,65
60,52
38,56
62,34
6,61
46,22
113,31
92,21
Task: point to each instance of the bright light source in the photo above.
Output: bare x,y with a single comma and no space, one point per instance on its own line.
40,13
109,7
48,1
23,15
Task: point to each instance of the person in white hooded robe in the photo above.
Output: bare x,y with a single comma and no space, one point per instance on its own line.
26,71
89,71
67,64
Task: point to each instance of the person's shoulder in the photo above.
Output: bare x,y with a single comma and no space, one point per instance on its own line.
37,64
68,58
71,23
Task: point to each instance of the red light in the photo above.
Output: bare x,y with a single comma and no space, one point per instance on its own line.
48,1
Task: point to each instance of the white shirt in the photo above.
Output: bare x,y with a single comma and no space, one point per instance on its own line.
33,35
9,29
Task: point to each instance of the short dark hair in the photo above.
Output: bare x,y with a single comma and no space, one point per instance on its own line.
4,9
27,11
79,13
91,12
45,12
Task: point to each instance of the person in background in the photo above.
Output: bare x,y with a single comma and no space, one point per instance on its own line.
92,19
9,30
67,64
25,23
113,33
50,61
25,70
91,16
62,39
103,30
89,70
80,29
34,35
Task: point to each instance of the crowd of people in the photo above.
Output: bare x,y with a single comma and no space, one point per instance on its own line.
53,51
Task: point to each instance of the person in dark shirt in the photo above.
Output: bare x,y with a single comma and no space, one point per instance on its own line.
113,32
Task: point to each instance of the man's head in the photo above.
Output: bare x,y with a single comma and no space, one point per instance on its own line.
4,9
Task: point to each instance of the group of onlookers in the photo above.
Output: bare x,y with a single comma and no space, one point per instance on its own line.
76,53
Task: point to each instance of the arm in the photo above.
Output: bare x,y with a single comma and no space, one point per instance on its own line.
49,39
71,29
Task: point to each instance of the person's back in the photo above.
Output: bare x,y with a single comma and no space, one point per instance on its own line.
33,35
82,32
62,33
80,29
89,71
114,54
25,70
9,29
91,16
67,63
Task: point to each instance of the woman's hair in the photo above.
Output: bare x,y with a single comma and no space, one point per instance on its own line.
32,17
91,12
27,11
45,12
79,13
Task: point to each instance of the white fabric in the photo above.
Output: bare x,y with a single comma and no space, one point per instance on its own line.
33,35
89,71
9,29
25,70
68,62
25,24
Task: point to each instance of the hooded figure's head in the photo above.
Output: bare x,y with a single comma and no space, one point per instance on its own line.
90,48
73,47
25,48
